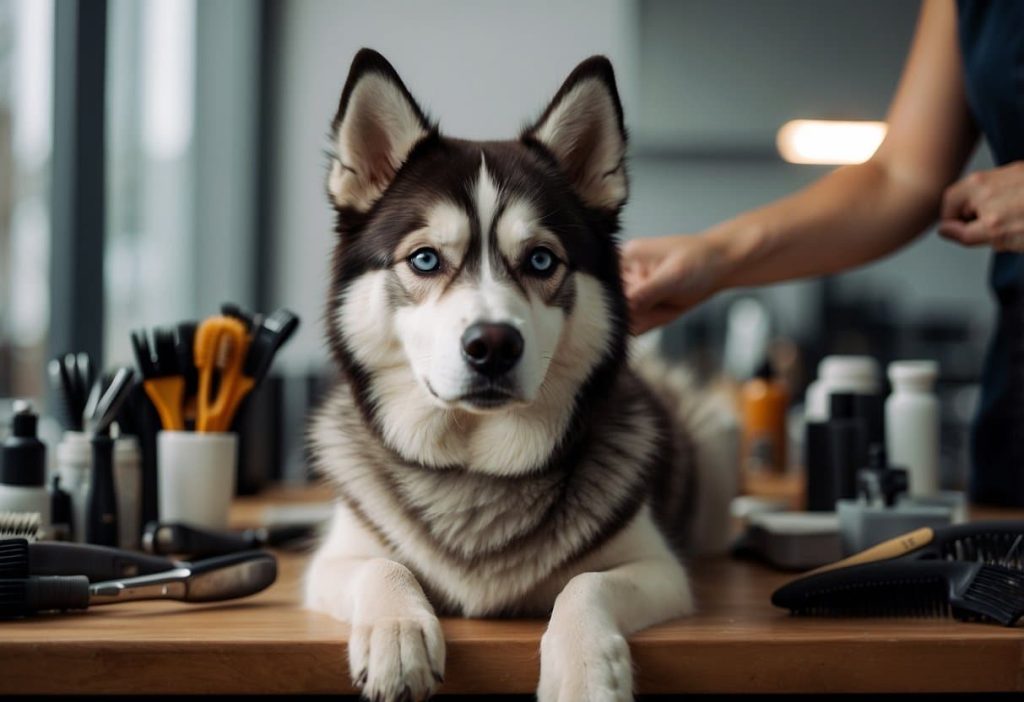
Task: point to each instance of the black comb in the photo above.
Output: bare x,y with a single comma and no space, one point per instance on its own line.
907,588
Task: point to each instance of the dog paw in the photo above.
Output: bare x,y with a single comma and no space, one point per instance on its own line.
592,666
397,659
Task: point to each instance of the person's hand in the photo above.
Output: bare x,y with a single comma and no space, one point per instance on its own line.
665,276
986,208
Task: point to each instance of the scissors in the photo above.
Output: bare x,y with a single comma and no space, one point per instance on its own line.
221,346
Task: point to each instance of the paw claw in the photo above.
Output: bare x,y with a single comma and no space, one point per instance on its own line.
397,657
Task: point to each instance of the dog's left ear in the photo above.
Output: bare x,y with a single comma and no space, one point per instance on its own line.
583,129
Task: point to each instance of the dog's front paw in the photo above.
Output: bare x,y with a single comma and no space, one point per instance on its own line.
585,663
397,658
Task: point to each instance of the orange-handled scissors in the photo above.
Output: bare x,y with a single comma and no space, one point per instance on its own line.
221,345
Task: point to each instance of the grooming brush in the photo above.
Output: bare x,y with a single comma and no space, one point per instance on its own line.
907,588
992,542
212,580
23,525
21,559
165,539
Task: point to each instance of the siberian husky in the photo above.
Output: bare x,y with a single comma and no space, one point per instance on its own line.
493,452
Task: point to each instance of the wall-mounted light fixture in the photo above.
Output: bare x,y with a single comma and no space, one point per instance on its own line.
829,141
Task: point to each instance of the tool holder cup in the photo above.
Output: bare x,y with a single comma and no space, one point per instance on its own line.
196,476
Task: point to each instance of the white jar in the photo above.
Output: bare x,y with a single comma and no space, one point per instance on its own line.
853,374
912,424
74,466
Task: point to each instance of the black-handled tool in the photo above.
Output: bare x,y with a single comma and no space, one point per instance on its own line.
212,580
20,558
175,538
268,338
101,519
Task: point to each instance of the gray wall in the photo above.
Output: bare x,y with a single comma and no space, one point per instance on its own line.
705,87
482,68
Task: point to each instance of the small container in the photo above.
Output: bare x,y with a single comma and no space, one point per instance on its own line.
23,467
196,477
74,466
128,484
847,443
764,401
912,424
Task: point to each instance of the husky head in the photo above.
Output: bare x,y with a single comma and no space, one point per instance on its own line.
476,306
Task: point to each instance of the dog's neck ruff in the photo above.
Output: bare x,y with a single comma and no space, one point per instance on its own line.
494,538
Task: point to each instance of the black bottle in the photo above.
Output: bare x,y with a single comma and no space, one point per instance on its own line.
848,440
101,520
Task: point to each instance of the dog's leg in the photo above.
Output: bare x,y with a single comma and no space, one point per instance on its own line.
396,648
584,653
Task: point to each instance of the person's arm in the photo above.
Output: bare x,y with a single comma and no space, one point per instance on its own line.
853,215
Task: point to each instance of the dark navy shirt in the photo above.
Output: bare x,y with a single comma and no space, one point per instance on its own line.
992,44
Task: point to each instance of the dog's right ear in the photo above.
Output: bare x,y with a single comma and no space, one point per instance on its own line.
377,125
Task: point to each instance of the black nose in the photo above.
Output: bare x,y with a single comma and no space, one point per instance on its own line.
492,349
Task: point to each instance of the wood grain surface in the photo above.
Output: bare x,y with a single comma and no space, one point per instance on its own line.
737,643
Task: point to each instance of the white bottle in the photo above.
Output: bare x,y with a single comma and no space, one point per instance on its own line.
912,424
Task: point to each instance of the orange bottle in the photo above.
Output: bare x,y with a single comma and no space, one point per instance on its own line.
764,401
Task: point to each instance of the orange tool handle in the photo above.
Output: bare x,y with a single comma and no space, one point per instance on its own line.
221,344
166,394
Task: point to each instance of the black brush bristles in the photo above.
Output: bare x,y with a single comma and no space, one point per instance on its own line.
995,593
907,588
14,558
995,543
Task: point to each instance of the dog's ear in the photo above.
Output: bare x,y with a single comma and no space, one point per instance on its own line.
377,125
583,129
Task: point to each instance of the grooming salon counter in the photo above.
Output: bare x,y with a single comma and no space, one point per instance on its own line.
737,642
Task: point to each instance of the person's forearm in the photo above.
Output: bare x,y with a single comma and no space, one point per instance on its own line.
851,216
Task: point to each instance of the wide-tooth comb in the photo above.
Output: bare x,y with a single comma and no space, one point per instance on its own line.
23,525
907,588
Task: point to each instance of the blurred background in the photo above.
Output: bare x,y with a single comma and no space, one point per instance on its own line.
159,157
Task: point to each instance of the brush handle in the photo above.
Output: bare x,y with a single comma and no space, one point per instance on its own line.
24,596
101,520
165,539
97,563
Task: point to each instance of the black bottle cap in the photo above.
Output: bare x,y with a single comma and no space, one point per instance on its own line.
765,371
60,504
23,455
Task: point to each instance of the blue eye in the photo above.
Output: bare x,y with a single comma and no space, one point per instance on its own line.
425,260
542,260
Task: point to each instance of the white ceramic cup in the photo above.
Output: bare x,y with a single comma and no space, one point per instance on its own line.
196,477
